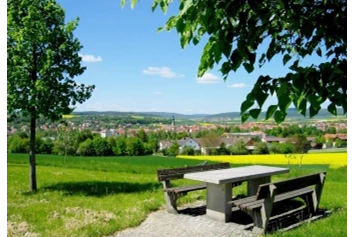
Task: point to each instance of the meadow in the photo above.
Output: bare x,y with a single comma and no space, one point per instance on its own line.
97,196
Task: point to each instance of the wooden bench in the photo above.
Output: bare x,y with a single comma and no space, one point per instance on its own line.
173,193
259,207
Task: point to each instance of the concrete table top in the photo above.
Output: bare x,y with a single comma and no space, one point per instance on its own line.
231,175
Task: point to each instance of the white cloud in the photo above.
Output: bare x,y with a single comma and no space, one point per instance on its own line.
164,72
90,58
237,85
157,92
208,78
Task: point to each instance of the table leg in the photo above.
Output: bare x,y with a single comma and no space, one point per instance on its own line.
217,197
253,184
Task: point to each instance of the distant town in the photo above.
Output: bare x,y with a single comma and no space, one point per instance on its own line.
172,136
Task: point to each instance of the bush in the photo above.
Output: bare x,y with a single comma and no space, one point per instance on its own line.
261,148
86,148
274,148
16,144
188,151
102,147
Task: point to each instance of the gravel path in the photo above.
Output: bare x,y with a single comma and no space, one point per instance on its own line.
191,221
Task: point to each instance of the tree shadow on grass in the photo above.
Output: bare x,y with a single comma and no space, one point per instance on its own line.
100,188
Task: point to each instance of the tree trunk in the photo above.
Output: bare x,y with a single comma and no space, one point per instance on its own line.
33,182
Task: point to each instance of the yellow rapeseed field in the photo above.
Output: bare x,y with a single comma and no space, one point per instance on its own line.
68,116
335,160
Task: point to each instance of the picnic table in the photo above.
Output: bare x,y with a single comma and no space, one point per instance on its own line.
219,186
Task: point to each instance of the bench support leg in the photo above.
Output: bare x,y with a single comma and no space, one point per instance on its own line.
217,197
170,199
253,184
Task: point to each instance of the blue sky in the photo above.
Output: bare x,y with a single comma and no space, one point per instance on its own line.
136,68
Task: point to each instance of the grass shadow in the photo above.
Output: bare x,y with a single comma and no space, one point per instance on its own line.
100,188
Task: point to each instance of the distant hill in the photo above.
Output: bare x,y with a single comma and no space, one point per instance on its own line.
291,114
144,114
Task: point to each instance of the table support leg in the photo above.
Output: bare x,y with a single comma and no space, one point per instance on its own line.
253,184
217,197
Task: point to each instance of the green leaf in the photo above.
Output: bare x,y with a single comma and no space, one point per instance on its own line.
261,98
262,60
123,3
249,67
226,49
315,101
155,4
302,105
254,113
160,29
319,52
133,3
332,109
279,116
286,58
270,111
246,105
245,117
196,39
164,6
313,111
284,101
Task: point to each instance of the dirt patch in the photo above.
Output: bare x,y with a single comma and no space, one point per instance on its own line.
15,229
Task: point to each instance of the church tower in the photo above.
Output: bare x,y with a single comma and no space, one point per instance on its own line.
173,123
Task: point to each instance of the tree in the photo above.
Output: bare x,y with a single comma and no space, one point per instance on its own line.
173,149
141,134
120,148
134,146
65,141
42,61
102,147
86,148
239,148
331,130
300,146
292,30
223,150
261,148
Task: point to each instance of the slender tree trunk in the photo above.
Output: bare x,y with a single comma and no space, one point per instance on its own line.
33,182
65,155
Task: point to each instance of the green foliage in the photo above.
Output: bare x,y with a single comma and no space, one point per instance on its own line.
102,147
188,151
293,30
43,58
120,149
274,148
286,148
16,144
300,144
86,180
238,148
173,149
134,146
338,142
223,150
142,135
331,130
42,61
86,148
260,148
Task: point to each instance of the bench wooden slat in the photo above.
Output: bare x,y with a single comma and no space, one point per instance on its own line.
178,173
290,184
173,193
186,188
259,207
278,198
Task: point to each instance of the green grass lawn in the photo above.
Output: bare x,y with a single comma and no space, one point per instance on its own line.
97,196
